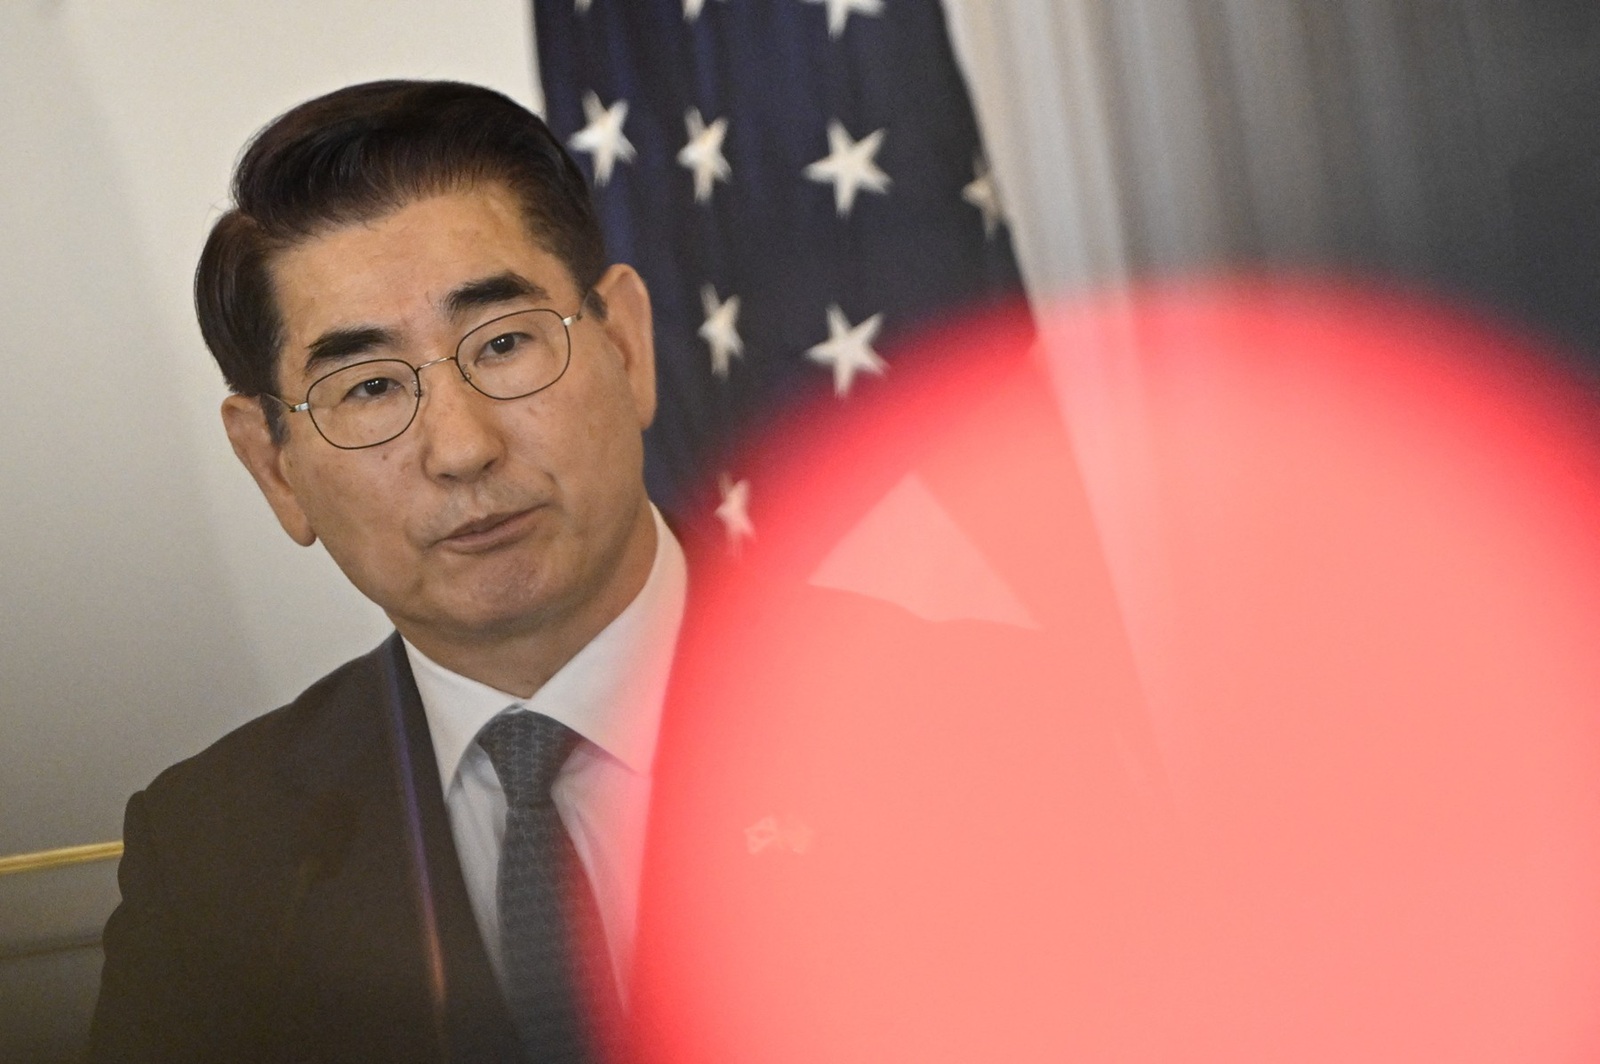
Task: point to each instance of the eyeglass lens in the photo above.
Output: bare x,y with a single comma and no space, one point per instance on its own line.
369,403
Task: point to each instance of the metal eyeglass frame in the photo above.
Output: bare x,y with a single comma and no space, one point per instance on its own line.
416,376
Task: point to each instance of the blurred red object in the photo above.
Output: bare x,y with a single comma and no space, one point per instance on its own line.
1358,818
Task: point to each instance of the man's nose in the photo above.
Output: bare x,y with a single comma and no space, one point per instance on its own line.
458,424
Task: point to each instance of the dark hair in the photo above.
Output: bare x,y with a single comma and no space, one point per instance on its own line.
357,154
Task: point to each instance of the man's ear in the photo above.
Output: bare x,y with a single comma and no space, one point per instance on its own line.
252,441
629,326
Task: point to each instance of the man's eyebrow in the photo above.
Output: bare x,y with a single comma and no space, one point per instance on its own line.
336,345
489,291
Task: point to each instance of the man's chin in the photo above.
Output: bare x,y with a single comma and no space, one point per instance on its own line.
490,618
508,606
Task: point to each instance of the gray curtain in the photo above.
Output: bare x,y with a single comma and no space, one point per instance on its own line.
1451,143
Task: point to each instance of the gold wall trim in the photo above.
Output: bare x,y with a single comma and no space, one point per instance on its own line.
66,855
48,948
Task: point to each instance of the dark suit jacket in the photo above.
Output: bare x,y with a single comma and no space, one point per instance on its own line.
293,893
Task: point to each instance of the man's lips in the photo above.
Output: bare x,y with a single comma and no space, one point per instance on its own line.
487,532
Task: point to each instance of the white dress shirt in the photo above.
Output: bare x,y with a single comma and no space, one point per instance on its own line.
610,693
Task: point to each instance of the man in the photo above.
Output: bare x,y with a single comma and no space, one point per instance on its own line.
435,374
434,853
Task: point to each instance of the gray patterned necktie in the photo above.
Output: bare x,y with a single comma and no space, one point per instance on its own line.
549,925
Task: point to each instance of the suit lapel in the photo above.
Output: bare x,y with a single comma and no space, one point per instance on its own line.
476,1024
382,921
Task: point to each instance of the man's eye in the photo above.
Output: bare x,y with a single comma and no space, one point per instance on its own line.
504,346
371,389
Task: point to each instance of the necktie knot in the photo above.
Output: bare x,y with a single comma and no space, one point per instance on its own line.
527,751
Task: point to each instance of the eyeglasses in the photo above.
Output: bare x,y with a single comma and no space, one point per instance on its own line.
509,357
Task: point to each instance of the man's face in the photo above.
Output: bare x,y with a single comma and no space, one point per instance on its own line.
487,520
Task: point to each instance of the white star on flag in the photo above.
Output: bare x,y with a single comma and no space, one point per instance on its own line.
602,137
849,165
762,834
691,9
839,12
734,511
981,193
848,349
703,153
720,329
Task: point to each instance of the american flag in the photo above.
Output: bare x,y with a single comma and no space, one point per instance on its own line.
799,182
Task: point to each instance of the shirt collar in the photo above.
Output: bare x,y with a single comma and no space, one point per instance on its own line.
610,692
